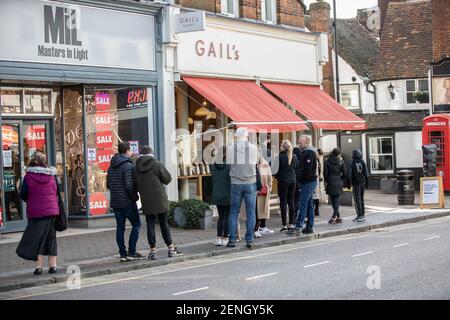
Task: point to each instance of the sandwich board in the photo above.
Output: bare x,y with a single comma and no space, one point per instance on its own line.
431,193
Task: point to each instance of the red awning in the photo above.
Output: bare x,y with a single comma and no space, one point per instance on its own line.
247,104
322,111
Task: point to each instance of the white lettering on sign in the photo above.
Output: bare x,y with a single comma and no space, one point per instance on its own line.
435,124
33,135
102,100
103,120
104,139
101,204
104,158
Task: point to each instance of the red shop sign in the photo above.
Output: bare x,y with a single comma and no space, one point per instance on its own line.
104,158
103,121
102,101
35,136
104,139
98,204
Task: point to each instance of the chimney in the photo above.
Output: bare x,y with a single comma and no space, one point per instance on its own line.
441,28
320,22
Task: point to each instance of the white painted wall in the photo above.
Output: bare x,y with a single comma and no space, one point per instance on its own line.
328,143
408,149
346,73
399,102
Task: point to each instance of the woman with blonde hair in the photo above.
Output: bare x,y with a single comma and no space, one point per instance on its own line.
40,191
287,164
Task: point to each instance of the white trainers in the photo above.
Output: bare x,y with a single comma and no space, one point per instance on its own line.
265,230
219,242
256,234
224,242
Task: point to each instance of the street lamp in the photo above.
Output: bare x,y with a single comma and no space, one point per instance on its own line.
338,96
391,91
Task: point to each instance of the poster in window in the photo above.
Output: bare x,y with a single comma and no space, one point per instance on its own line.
134,144
134,98
98,204
102,101
7,158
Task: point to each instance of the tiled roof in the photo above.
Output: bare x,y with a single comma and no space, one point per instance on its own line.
395,120
406,41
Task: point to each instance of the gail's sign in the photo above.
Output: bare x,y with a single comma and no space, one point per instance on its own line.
98,204
190,21
216,50
62,33
36,136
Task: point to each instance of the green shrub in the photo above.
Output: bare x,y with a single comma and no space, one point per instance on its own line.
194,211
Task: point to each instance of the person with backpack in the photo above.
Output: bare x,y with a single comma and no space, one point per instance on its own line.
335,174
151,177
358,180
287,165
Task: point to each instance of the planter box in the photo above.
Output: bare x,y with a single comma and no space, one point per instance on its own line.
388,186
180,219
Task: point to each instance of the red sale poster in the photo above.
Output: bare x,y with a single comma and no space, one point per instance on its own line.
104,139
35,136
104,158
103,121
102,101
98,204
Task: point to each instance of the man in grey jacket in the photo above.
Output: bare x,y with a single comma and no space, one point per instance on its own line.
242,156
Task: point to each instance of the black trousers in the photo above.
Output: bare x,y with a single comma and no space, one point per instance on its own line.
286,192
163,224
358,196
335,204
260,223
222,224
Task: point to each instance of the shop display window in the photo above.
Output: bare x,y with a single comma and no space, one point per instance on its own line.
113,115
11,100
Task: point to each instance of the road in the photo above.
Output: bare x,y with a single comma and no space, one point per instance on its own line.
403,262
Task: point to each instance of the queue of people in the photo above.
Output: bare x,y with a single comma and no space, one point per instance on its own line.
242,184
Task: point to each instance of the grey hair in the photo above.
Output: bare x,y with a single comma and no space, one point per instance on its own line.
306,138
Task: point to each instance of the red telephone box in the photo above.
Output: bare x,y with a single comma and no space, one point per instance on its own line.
436,130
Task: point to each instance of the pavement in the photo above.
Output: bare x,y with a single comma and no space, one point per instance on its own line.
95,251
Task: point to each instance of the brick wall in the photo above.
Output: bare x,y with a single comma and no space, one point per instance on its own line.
441,28
320,22
291,13
207,5
383,5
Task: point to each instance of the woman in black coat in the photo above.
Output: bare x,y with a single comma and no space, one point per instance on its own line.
334,175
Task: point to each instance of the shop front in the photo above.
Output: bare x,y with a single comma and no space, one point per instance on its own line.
76,79
241,74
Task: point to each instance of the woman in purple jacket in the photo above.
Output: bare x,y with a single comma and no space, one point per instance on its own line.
40,192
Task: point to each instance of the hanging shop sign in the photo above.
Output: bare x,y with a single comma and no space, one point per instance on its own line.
190,22
104,139
59,33
104,157
98,204
102,101
36,136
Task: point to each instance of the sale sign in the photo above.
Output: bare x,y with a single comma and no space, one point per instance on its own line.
103,121
104,139
104,158
98,204
36,136
102,101
9,136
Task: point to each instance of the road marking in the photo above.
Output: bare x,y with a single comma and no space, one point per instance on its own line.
189,291
400,245
362,254
435,237
262,276
316,264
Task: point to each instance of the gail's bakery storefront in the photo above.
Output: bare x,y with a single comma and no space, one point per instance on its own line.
242,74
76,78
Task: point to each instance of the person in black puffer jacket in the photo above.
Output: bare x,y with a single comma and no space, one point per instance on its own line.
120,182
334,175
358,179
287,166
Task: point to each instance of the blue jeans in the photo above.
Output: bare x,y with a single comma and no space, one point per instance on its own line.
305,205
248,193
131,213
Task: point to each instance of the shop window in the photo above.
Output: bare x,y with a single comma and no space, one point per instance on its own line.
11,100
112,116
414,86
27,100
381,155
350,96
230,7
269,11
38,101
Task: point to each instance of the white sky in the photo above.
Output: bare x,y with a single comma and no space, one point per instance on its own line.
347,8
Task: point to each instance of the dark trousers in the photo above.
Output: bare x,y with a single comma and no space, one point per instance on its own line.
316,207
132,214
358,196
260,223
163,224
222,224
335,204
286,192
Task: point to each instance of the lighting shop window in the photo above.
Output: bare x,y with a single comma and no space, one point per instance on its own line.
417,91
269,11
230,7
381,155
39,101
350,96
11,100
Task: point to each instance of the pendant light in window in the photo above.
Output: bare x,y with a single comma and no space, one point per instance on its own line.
202,111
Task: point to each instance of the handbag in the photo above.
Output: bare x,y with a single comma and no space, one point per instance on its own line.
61,219
263,192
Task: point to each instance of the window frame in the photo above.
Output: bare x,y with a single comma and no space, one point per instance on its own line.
370,154
359,108
273,4
416,88
224,8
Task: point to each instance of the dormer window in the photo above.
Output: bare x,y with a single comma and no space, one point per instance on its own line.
230,8
269,11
